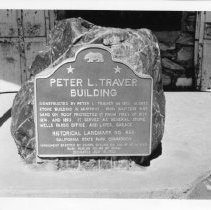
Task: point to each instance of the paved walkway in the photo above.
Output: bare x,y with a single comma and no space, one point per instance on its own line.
186,156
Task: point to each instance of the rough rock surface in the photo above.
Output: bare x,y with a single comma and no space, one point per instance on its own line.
168,64
139,48
185,39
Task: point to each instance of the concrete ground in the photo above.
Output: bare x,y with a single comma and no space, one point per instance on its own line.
183,166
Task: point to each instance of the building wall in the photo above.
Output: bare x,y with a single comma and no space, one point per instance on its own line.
23,33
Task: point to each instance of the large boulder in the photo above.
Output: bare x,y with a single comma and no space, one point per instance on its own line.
139,48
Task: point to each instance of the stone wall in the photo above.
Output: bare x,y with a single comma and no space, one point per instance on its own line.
177,47
177,52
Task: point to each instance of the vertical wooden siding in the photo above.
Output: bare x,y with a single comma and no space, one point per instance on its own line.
203,51
22,34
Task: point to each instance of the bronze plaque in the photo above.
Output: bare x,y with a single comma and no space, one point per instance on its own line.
93,105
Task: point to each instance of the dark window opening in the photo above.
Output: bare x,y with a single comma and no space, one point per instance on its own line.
154,20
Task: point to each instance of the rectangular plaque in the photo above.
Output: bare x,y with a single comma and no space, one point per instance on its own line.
93,105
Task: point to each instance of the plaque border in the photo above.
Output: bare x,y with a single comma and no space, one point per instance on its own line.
53,68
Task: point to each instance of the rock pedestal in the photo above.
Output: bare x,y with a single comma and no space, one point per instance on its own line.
139,48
